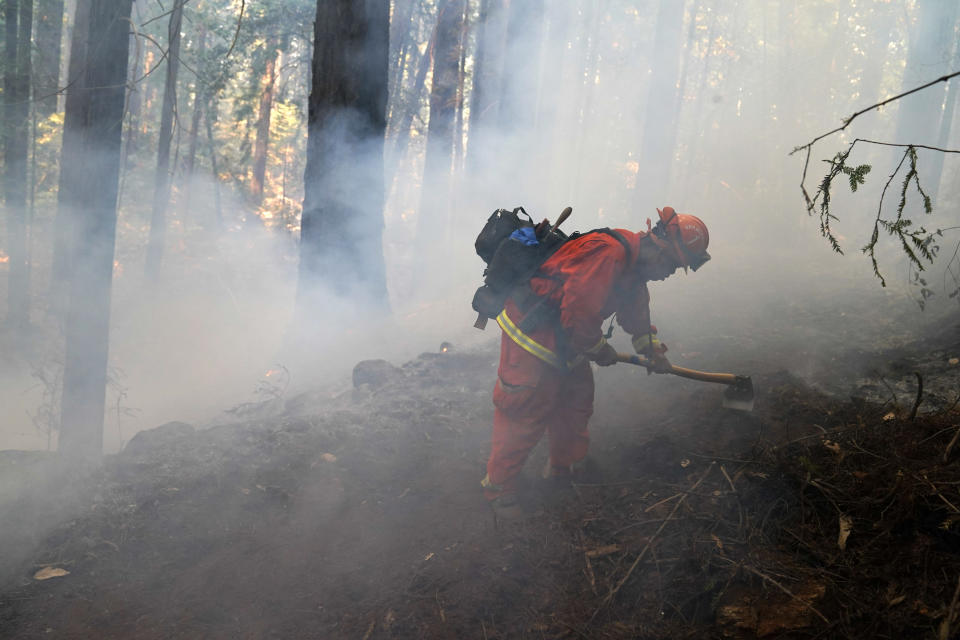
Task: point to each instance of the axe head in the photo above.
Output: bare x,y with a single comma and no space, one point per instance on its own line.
739,395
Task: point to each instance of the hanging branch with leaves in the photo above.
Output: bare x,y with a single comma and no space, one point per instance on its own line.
918,244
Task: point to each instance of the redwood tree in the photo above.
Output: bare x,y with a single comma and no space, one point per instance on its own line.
16,116
161,192
435,198
342,221
90,168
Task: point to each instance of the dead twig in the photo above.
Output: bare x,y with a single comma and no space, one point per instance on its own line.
763,576
940,495
613,592
727,476
953,441
951,612
916,403
657,504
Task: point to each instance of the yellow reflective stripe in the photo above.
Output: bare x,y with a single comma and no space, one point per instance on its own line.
527,343
595,349
645,341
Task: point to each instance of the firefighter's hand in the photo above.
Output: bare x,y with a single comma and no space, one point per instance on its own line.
606,356
659,362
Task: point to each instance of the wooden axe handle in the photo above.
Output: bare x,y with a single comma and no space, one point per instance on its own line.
692,374
563,216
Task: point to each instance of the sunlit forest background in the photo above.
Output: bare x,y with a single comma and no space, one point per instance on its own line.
614,107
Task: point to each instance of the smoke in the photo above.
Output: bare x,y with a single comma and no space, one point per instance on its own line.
562,122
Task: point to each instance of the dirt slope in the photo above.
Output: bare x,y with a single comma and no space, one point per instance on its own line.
359,516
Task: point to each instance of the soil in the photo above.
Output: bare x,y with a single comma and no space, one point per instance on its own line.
827,512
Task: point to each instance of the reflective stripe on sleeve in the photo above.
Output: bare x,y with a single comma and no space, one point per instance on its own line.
645,342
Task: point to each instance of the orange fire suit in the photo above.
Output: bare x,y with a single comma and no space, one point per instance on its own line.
544,382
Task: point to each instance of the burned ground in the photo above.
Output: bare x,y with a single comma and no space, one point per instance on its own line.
823,513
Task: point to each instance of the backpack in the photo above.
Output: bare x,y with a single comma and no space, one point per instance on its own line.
513,248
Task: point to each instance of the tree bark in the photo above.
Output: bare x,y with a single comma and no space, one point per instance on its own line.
410,108
199,100
660,121
341,232
161,193
919,115
16,111
487,70
71,155
262,141
435,196
49,37
90,168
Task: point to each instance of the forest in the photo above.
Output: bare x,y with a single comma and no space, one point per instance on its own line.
242,394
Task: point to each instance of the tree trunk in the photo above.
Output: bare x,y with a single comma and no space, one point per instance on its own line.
919,115
946,125
435,196
92,166
199,100
263,125
412,106
47,73
660,121
71,155
161,192
342,223
401,23
518,89
487,70
16,111
217,208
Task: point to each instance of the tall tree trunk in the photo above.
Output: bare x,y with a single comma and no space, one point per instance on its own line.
342,223
487,70
660,121
410,109
458,132
435,196
919,115
92,166
161,193
217,208
16,112
47,73
918,118
520,98
199,101
518,89
71,155
946,125
401,24
262,141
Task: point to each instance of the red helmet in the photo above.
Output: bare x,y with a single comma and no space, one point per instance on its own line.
686,236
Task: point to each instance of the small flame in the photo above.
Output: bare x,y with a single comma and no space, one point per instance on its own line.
272,372
4,258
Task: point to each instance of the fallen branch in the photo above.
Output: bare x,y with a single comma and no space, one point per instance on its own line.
763,576
951,612
953,441
916,403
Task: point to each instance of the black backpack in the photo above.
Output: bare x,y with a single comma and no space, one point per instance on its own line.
511,261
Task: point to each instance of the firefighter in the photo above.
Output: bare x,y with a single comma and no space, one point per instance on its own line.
553,329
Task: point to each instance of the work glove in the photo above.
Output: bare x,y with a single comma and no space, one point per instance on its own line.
650,346
605,356
660,362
